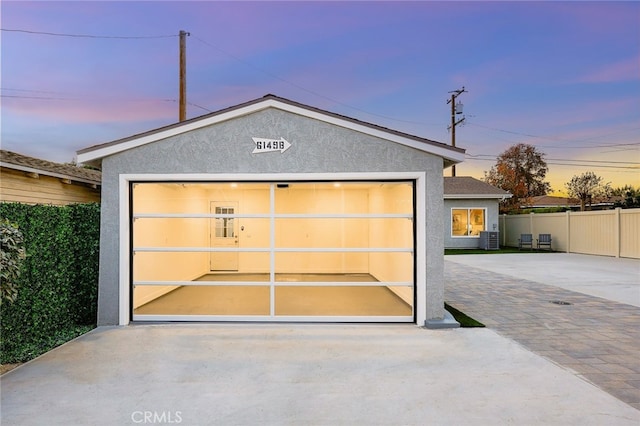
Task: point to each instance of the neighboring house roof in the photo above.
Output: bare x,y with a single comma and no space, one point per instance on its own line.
94,154
468,187
12,160
541,201
545,201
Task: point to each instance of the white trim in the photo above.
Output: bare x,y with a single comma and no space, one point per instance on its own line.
485,209
115,148
476,196
125,267
268,216
272,177
420,253
277,250
276,283
267,318
420,250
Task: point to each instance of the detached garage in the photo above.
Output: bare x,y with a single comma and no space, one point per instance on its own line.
272,211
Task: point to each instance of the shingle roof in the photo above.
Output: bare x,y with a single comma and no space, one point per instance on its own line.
468,187
25,163
550,201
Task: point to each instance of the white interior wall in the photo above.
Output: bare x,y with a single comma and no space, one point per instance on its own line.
165,232
392,266
322,232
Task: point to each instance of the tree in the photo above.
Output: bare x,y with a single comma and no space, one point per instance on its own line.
587,186
520,170
12,254
630,197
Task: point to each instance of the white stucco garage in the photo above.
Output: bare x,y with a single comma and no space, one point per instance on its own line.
272,211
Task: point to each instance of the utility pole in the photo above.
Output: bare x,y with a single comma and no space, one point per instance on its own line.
456,109
182,114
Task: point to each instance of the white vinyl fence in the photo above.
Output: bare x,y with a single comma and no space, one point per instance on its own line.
605,232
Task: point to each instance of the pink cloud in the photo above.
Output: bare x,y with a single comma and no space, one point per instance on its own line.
95,111
621,71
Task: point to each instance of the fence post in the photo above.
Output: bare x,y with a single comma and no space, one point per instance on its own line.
504,237
568,231
531,227
617,230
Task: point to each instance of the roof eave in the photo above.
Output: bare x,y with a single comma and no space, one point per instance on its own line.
476,196
48,173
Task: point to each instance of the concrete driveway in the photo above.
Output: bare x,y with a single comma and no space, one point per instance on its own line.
302,374
616,279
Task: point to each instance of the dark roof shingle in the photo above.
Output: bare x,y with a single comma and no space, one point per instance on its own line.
467,186
44,167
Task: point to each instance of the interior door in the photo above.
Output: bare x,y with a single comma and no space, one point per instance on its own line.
224,235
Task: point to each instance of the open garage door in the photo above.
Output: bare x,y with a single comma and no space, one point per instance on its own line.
301,251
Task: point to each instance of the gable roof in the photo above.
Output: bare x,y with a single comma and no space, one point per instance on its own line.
550,201
15,161
468,187
94,154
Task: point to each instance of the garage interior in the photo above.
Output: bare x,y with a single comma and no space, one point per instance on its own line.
293,251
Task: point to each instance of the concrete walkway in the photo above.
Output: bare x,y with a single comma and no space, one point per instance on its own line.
598,338
315,374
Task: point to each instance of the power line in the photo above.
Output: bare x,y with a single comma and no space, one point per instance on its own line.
48,98
555,139
54,98
494,157
572,164
86,35
30,91
297,86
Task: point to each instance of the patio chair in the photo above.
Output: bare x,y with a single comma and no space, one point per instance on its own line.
544,240
525,240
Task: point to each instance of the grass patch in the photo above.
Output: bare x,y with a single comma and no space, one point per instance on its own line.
462,318
502,250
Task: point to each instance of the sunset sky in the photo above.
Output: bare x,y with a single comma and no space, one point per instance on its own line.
562,76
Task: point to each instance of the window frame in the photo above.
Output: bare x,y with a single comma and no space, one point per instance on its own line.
468,209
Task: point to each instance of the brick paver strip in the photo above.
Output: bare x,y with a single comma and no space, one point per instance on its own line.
597,338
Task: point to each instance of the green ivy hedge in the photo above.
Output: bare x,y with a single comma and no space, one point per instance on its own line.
58,284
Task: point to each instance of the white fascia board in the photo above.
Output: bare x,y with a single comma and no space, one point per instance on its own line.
476,196
99,153
46,173
156,136
422,146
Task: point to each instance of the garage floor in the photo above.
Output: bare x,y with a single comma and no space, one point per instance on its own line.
290,300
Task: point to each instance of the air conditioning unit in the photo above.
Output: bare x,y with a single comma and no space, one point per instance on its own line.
489,240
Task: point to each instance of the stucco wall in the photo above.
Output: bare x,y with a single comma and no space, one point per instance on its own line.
317,147
492,218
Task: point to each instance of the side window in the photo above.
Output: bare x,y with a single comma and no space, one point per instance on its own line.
459,224
467,222
477,221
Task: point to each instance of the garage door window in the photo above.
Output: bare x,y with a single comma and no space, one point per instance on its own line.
316,251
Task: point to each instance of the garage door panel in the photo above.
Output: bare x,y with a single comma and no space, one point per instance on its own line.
210,300
339,301
320,250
